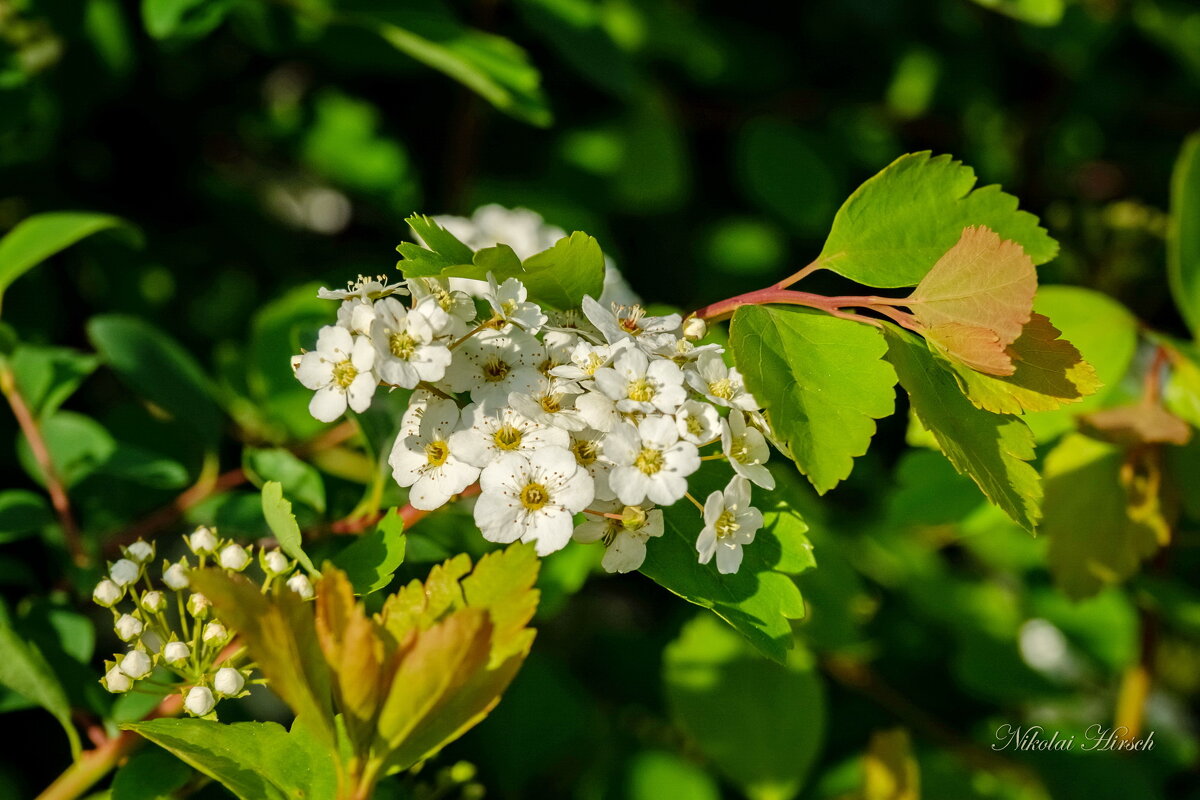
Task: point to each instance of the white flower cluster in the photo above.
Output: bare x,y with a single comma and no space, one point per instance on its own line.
172,627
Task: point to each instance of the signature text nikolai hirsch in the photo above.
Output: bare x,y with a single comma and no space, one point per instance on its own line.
1095,738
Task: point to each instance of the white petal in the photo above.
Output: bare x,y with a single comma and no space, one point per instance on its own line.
328,403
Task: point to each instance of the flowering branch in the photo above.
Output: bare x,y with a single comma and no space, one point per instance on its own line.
408,513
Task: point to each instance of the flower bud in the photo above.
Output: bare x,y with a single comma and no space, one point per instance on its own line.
128,627
633,517
234,557
203,541
176,652
199,701
198,605
140,552
124,572
116,681
153,601
151,641
136,664
107,593
214,633
274,562
175,575
228,681
694,328
301,585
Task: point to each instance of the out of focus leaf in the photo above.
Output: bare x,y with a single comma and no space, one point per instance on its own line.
278,331
653,174
654,774
22,513
144,468
47,376
1145,422
784,172
822,380
762,724
278,512
183,18
576,31
1035,12
78,447
296,478
889,770
1183,233
254,760
24,670
150,774
896,225
374,557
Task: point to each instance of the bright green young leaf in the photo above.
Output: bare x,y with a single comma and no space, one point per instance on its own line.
502,582
441,249
1094,541
656,774
374,557
760,598
297,478
499,260
22,513
254,760
156,367
713,681
994,449
1183,233
47,376
896,225
151,774
24,670
37,238
277,510
561,276
822,381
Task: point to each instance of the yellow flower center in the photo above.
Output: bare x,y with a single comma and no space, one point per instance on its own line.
344,374
630,318
722,388
641,390
695,425
739,451
437,453
495,369
594,363
534,496
551,403
402,344
649,461
507,438
508,307
586,452
727,524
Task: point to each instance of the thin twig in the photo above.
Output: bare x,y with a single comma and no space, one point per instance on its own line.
356,525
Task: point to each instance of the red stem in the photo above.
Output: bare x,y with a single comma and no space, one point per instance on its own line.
410,515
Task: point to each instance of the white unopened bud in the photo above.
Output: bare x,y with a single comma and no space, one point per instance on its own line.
151,641
199,701
274,562
203,541
301,585
694,328
228,681
234,557
198,605
140,552
153,601
175,575
176,652
107,593
124,572
136,664
128,627
214,633
116,681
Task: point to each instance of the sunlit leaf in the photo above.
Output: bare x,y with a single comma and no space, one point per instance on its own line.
374,557
278,512
297,478
1183,233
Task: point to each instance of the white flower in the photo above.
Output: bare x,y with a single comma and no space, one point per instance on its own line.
683,352
339,371
176,652
117,681
509,301
199,701
747,450
175,575
729,524
552,403
422,457
405,350
198,605
139,552
598,410
228,682
631,322
720,383
625,538
533,500
153,601
124,572
491,365
128,627
107,593
586,447
650,461
203,541
274,562
234,557
694,328
635,382
301,585
365,288
214,633
585,358
356,315
136,664
483,437
558,347
616,288
458,305
698,423
521,229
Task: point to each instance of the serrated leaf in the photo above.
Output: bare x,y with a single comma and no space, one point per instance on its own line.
499,260
993,449
822,381
254,760
1048,373
560,276
903,219
502,582
278,513
1183,233
24,670
372,560
441,249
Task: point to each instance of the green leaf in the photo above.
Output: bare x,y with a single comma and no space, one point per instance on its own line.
655,774
442,249
24,670
560,276
822,381
372,560
183,18
78,445
712,680
784,171
576,30
156,367
993,449
47,376
1034,12
278,513
297,478
896,225
144,467
1183,233
37,238
22,513
150,774
757,600
254,760
279,330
